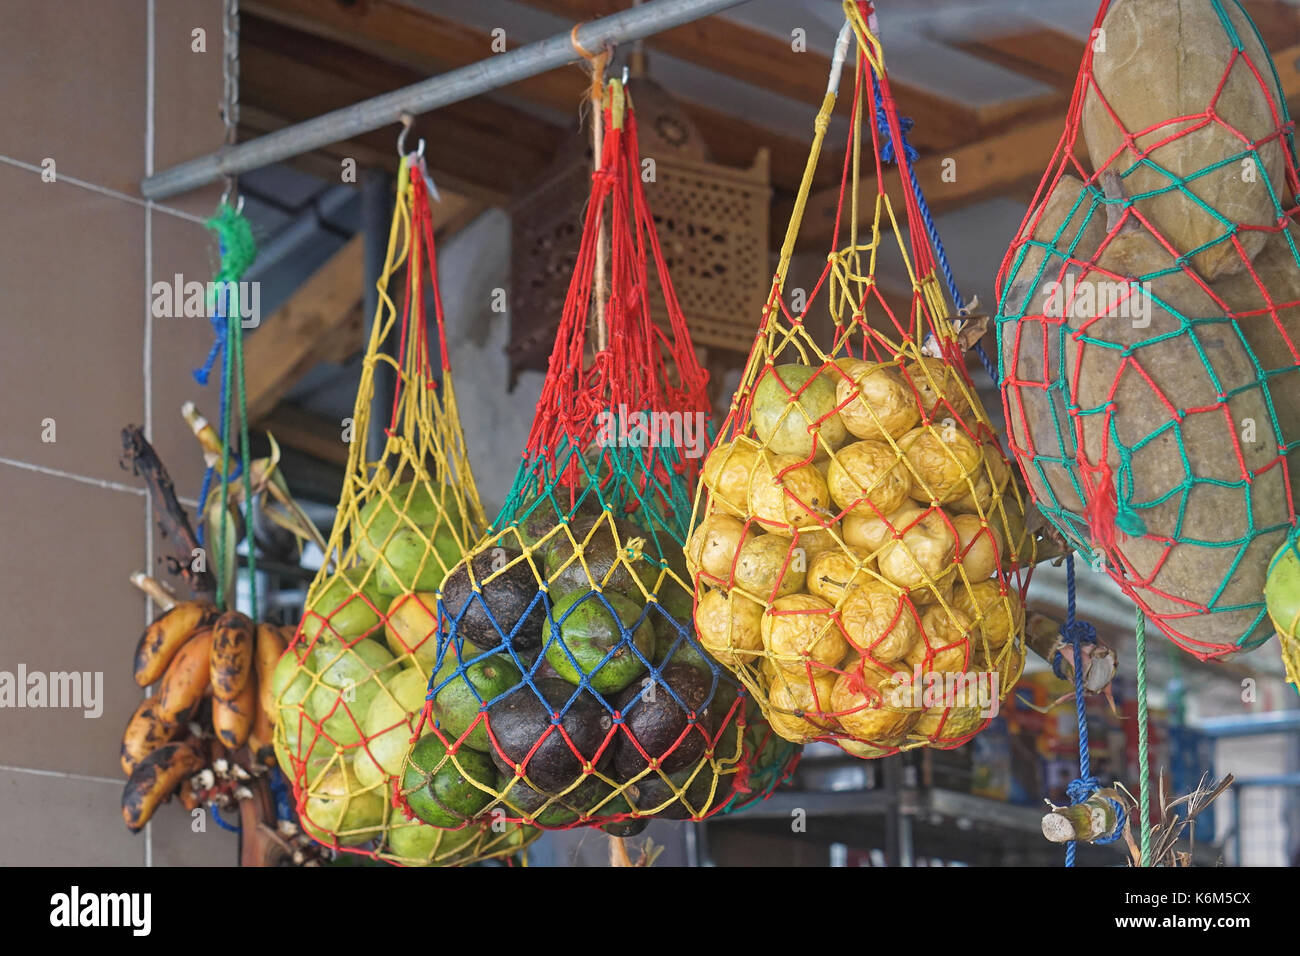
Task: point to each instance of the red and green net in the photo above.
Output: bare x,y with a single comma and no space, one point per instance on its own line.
1148,320
569,687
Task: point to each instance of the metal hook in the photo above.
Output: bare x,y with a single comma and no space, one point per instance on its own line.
407,120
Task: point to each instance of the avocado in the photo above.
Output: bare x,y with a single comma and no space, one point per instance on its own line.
512,594
521,800
622,828
534,526
675,642
600,638
440,792
608,563
652,790
461,690
522,720
659,723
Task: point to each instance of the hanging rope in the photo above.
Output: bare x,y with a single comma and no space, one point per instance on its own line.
1085,785
1144,771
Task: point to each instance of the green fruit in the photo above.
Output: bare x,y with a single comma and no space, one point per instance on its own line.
460,697
348,607
401,526
1282,595
338,808
622,828
388,725
416,560
418,843
349,680
545,810
609,562
441,788
294,730
589,633
674,646
786,424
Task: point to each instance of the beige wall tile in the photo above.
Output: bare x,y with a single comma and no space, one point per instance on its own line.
73,314
60,821
67,549
175,843
187,92
76,72
180,345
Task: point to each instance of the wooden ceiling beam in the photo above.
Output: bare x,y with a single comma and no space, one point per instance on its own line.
314,435
293,339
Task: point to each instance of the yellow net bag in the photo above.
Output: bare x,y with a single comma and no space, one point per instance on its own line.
349,690
858,546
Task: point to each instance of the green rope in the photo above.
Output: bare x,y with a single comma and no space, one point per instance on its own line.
1144,771
238,250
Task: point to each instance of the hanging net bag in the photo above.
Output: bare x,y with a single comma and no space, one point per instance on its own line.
1148,320
569,688
349,690
857,541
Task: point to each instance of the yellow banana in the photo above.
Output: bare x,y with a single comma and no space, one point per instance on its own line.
187,677
233,719
154,779
270,646
231,658
164,637
145,732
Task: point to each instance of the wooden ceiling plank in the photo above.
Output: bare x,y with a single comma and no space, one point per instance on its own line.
288,343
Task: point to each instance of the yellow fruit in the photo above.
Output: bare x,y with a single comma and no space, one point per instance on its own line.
879,401
943,462
727,471
863,708
945,641
799,633
1008,518
862,749
940,389
924,555
1007,661
978,546
989,480
873,533
998,617
793,410
728,625
815,541
712,548
339,809
832,573
867,478
768,569
958,723
879,621
796,707
785,493
411,627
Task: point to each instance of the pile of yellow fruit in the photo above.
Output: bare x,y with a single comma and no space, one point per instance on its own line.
856,547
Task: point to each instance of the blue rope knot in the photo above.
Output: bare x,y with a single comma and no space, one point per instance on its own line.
905,124
1086,634
1080,789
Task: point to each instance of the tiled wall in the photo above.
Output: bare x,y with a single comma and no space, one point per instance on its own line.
110,90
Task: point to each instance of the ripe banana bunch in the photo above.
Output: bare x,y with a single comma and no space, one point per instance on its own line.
207,666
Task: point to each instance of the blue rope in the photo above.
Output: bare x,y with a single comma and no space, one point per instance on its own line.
1085,785
905,124
216,815
280,793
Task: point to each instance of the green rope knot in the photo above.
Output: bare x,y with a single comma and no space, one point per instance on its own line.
1129,521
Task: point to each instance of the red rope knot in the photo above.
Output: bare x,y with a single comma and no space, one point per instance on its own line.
605,176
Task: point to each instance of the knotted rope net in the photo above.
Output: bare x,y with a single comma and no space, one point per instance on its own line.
859,549
351,686
569,687
1148,321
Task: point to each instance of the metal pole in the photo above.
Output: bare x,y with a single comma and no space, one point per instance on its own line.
376,206
468,81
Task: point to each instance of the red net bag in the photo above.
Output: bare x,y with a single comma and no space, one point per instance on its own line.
569,688
858,548
1148,320
349,690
